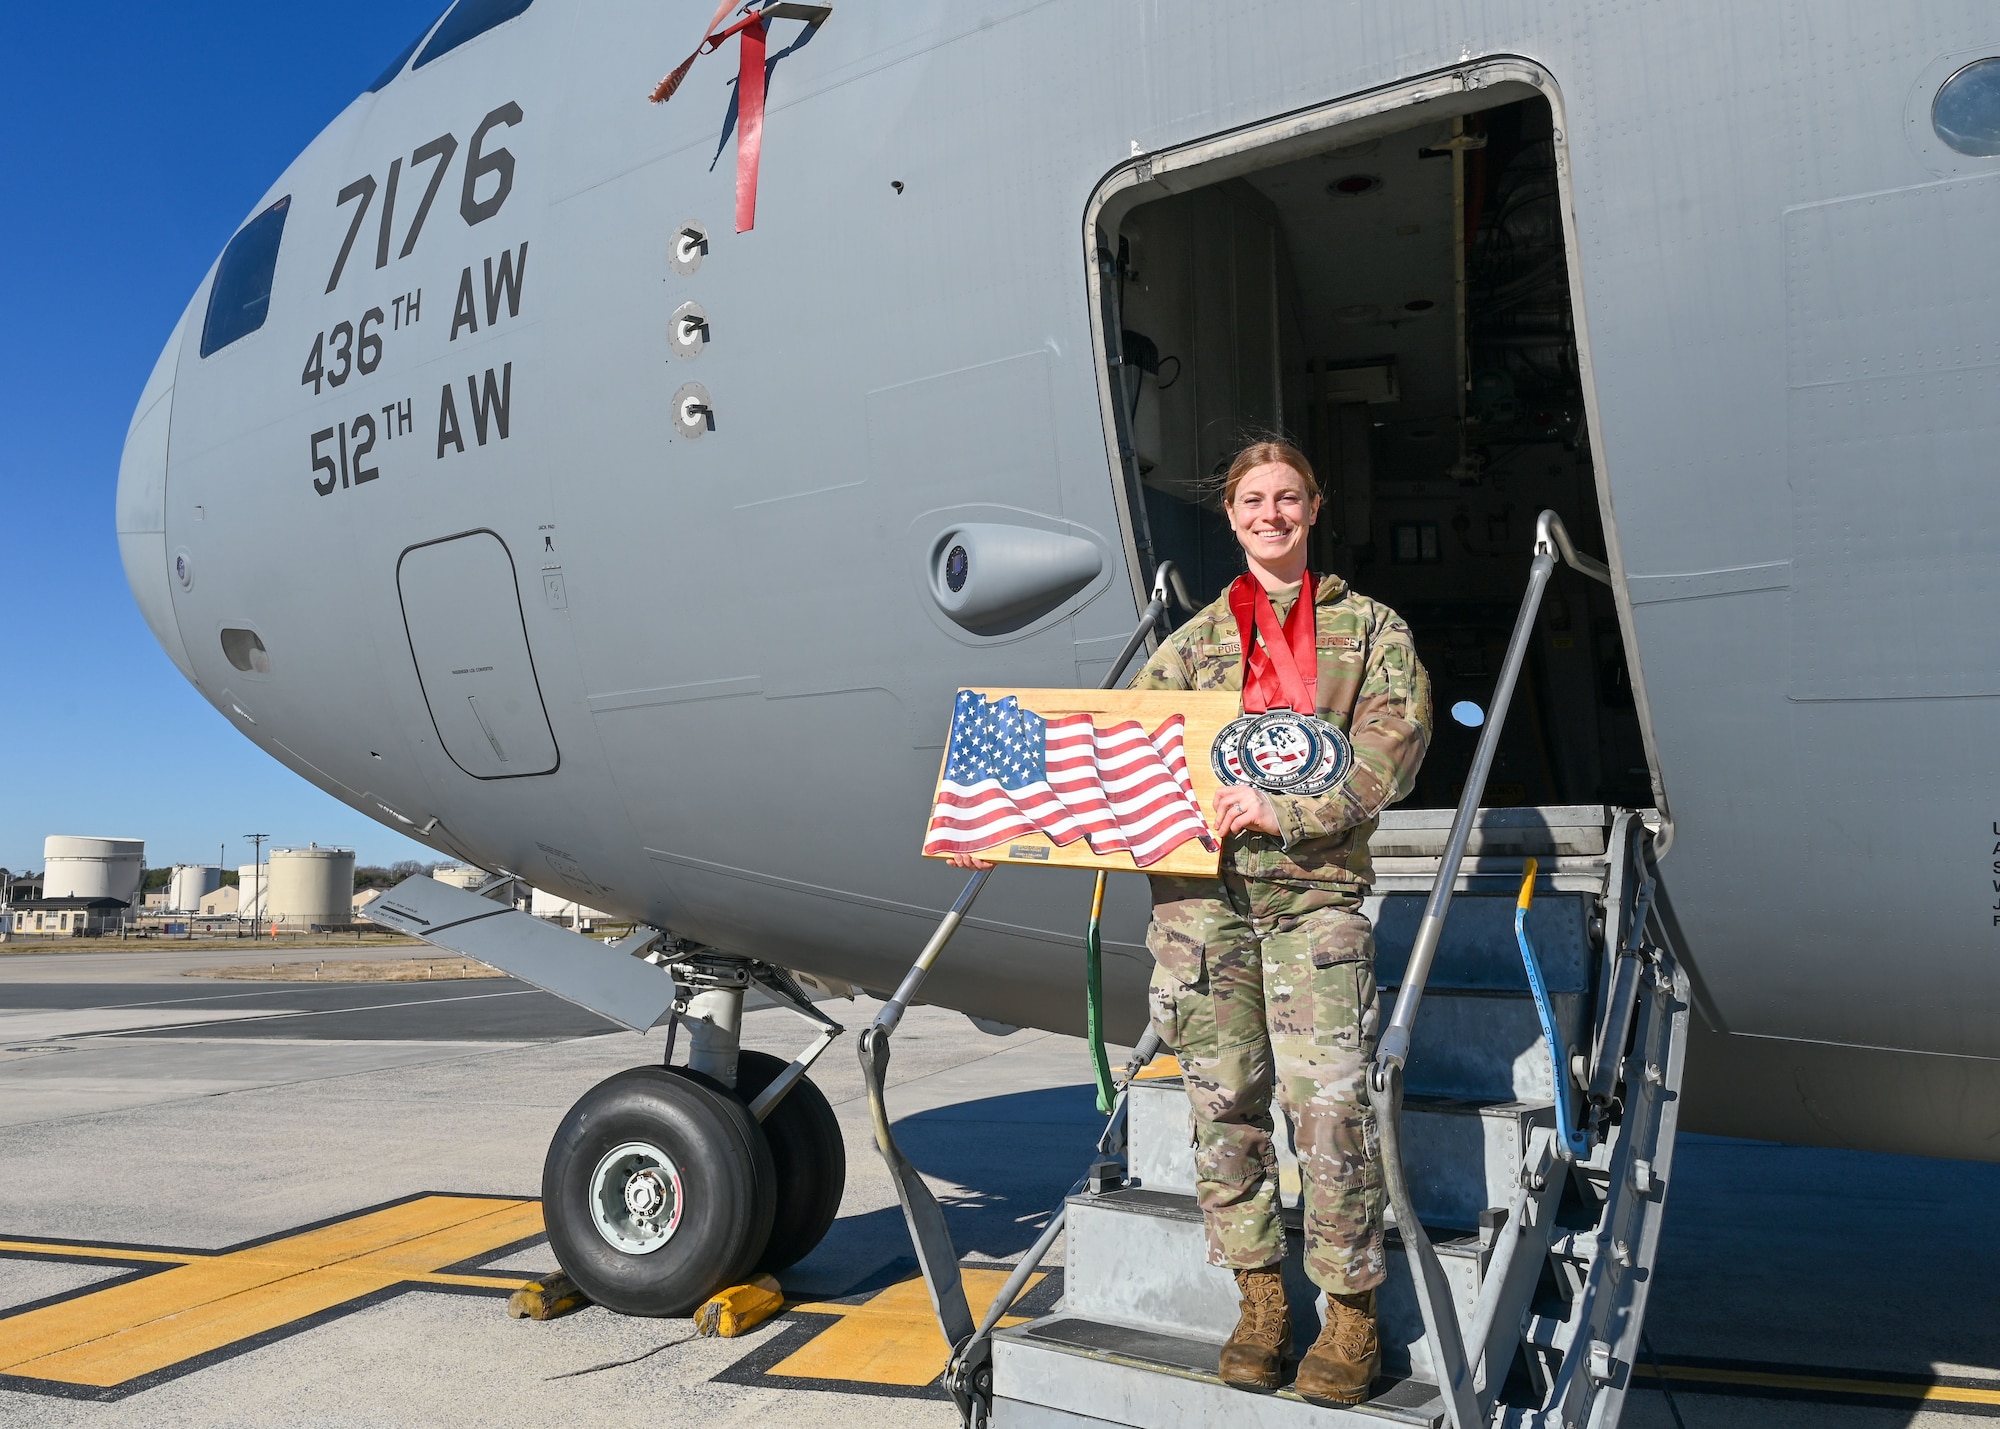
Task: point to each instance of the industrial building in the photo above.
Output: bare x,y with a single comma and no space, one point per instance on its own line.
564,912
93,868
250,892
95,886
76,917
311,887
89,887
191,882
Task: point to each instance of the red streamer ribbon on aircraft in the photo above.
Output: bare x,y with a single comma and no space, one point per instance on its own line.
749,100
749,120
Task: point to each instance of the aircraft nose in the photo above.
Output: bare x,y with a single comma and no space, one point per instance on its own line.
142,507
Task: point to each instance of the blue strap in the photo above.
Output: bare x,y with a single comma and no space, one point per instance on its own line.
1578,1144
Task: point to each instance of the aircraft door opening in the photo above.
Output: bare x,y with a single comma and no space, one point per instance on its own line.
462,611
1391,294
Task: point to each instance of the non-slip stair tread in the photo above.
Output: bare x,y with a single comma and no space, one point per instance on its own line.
1472,1106
1407,1401
1463,1153
1412,1101
1178,1205
1547,829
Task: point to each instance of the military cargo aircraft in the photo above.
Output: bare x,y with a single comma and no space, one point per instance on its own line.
613,495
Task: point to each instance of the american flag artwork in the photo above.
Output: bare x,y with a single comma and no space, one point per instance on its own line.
1009,772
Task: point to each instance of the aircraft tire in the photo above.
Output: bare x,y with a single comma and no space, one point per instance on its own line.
649,1141
810,1157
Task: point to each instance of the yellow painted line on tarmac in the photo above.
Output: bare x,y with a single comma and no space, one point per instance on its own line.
1822,1384
892,1337
205,1304
64,1250
509,1283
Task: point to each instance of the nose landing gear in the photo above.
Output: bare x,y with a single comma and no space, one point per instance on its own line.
656,1190
664,1184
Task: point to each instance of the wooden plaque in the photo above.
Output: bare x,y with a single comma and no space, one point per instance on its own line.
1205,713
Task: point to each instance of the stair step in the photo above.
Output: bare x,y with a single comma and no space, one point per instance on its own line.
1487,1046
1561,830
1461,1156
1069,1372
1478,950
1464,1157
1139,1257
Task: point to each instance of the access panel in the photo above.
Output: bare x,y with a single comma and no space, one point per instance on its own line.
462,609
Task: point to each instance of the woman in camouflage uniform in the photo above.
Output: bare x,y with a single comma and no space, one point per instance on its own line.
1266,976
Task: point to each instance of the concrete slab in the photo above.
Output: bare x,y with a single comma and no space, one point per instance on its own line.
207,1138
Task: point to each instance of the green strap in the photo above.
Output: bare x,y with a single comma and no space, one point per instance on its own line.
1093,964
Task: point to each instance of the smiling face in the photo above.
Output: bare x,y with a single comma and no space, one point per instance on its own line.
1271,512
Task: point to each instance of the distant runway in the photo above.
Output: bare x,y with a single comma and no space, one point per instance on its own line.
254,1203
453,1010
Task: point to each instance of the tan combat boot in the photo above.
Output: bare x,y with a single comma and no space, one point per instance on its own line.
1254,1357
1341,1364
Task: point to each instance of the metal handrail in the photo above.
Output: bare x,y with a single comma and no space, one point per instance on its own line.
1385,1092
937,1256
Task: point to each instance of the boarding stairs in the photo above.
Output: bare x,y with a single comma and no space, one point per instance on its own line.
1545,1259
1526,1122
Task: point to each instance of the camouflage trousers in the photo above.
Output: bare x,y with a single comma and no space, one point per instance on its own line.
1262,987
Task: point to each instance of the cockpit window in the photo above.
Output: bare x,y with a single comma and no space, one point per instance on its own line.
396,66
1966,112
241,295
468,20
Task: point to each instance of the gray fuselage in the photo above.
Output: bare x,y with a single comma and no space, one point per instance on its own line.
703,681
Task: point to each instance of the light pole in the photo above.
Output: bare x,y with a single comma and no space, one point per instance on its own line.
256,862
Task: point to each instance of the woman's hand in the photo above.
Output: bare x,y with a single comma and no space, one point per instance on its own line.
969,861
1239,807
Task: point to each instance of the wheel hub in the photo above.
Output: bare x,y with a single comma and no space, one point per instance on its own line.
636,1198
646,1193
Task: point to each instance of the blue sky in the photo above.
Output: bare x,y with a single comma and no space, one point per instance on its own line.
137,138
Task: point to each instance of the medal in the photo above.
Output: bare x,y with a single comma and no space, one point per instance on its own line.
1282,752
1290,753
1280,744
1225,756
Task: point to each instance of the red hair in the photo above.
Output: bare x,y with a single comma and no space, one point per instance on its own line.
1268,454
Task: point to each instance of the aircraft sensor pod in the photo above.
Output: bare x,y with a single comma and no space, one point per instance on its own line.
694,412
688,248
991,578
687,330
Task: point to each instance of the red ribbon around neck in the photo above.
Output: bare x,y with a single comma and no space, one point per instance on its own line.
749,100
1283,671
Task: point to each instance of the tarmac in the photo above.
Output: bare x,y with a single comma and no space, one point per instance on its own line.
358,1163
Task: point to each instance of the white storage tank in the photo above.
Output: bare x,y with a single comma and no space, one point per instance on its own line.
312,886
191,883
566,912
250,892
93,868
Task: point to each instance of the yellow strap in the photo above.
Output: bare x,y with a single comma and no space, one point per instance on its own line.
1527,886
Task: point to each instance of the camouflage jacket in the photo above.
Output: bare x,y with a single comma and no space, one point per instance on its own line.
1370,684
